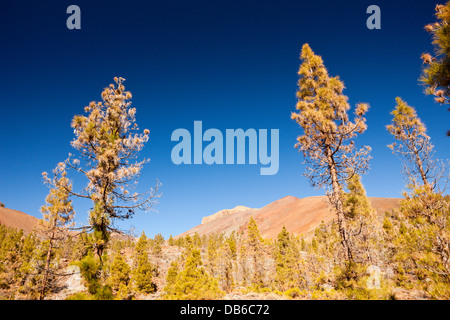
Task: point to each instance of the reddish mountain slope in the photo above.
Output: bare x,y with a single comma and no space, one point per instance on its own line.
299,216
17,219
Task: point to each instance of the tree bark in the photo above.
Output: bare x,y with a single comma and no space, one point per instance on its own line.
338,205
420,167
47,267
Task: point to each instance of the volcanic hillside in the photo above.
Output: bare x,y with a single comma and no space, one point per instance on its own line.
17,219
299,216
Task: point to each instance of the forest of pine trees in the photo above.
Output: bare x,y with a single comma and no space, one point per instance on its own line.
405,247
361,254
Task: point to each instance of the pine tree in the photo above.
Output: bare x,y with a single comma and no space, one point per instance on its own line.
287,267
32,270
361,219
213,253
414,145
254,248
159,238
171,279
327,143
120,274
436,74
227,261
156,249
196,240
94,272
144,271
356,203
157,245
423,239
420,231
141,246
108,140
26,275
82,247
364,228
193,282
231,242
321,257
144,274
10,258
90,270
58,214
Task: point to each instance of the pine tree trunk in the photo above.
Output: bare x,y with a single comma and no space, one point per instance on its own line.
420,167
47,268
337,202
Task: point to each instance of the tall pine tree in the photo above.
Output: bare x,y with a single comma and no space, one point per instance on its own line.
327,141
414,146
109,142
58,214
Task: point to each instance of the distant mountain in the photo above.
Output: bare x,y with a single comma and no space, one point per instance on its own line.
17,219
299,216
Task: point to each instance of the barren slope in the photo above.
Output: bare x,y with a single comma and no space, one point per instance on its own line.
17,219
299,216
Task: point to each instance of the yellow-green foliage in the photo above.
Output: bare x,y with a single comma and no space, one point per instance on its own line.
363,226
228,262
143,275
119,273
90,270
425,237
21,260
79,296
288,273
212,254
141,247
437,67
296,293
254,251
144,271
356,204
193,282
170,242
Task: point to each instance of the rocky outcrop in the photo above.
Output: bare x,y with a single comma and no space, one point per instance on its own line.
226,212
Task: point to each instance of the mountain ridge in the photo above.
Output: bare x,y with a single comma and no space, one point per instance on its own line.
298,215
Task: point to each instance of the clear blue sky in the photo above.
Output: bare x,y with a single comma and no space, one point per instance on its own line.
230,64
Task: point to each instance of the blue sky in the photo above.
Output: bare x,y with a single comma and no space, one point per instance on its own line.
229,64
